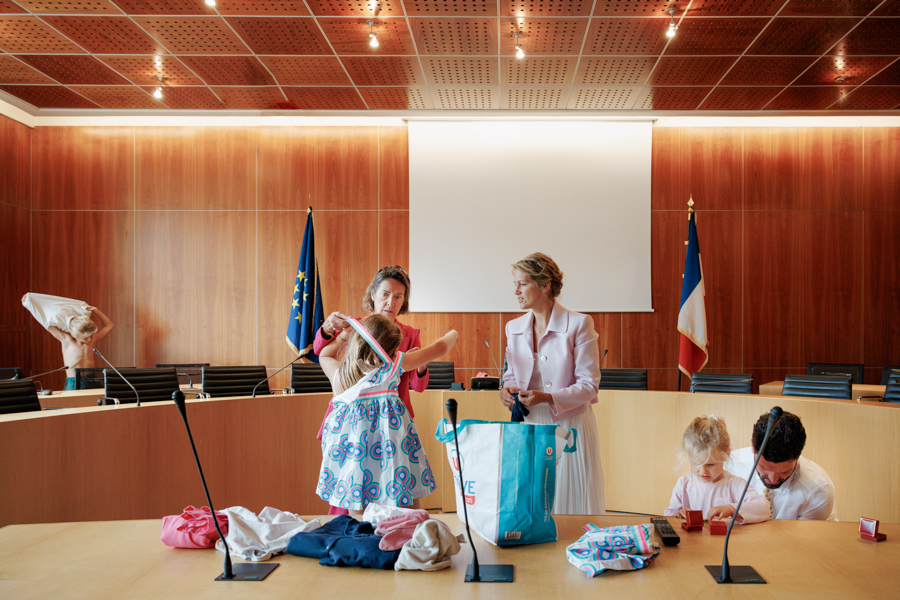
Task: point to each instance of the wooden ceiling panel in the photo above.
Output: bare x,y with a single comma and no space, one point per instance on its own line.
144,70
626,36
164,7
9,7
844,70
356,8
545,8
116,97
543,36
280,35
889,76
787,36
396,98
891,8
306,70
732,8
871,98
603,98
76,70
15,71
689,70
47,96
96,7
229,70
829,8
671,98
351,36
739,98
325,98
807,98
106,35
465,98
453,71
715,36
619,71
538,70
451,8
872,36
635,8
32,36
189,98
263,8
534,98
256,98
193,35
775,70
384,70
455,36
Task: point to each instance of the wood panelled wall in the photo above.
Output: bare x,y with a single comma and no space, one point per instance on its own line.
189,239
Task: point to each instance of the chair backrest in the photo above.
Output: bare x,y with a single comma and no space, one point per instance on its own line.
234,381
18,396
892,387
722,383
623,379
818,386
309,378
886,373
10,373
854,371
89,378
153,385
440,375
188,374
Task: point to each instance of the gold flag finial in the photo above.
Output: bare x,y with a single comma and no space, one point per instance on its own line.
308,209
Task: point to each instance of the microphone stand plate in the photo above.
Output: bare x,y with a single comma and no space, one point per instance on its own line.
491,574
739,574
249,571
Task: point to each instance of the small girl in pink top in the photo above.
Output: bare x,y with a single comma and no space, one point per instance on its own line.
709,487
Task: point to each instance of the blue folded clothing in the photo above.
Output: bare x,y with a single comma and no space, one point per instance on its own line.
343,542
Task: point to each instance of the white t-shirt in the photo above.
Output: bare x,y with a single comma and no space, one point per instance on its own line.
808,494
54,311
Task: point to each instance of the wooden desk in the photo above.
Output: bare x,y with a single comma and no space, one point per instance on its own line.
125,559
83,398
774,388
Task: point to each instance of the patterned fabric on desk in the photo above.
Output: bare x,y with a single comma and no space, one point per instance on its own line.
623,548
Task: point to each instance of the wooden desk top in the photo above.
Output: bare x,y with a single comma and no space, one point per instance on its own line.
125,559
774,388
83,398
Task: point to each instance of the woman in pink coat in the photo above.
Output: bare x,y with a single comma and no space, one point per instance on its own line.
554,366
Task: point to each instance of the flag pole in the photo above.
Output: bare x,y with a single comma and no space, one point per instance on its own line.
690,204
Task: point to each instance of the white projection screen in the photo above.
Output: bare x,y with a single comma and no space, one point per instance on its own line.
484,194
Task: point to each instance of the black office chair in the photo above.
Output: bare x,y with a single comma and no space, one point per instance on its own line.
309,378
722,383
152,385
623,379
88,378
854,371
887,373
234,381
440,375
818,386
186,372
891,389
10,373
18,396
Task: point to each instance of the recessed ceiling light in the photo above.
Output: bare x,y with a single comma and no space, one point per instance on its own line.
842,78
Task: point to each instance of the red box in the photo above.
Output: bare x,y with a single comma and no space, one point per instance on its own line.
868,530
694,520
718,527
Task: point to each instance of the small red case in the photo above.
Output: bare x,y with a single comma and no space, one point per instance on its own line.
694,520
718,527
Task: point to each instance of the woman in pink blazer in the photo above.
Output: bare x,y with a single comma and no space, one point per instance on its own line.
554,366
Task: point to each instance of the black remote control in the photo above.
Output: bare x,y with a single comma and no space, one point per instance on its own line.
665,531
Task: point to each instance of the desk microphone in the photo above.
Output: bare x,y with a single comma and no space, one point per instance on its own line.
494,361
242,571
45,373
492,573
137,398
602,358
743,574
273,375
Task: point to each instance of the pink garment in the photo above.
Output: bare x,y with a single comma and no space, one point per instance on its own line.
399,529
569,355
193,528
692,494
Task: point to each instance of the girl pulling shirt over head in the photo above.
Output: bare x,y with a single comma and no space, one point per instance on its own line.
709,487
371,450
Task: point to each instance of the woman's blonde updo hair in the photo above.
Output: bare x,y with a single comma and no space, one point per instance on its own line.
704,437
82,327
542,269
360,358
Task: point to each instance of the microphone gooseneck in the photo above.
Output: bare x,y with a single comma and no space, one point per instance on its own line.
602,358
253,395
451,412
136,397
45,373
774,416
178,398
493,360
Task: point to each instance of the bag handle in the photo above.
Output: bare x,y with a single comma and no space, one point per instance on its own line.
574,435
447,436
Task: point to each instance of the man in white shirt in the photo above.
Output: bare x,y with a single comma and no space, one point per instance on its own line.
797,487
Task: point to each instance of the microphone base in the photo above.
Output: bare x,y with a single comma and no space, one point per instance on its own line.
491,574
739,574
249,571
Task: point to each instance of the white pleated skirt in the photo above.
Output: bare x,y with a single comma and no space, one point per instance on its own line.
579,475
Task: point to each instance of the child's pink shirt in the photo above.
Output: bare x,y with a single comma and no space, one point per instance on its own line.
692,494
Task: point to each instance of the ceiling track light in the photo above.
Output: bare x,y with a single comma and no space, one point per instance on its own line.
672,26
373,39
519,52
157,93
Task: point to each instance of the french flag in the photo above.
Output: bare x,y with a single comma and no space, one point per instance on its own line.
693,351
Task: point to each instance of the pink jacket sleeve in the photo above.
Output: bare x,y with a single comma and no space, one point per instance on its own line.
320,342
586,375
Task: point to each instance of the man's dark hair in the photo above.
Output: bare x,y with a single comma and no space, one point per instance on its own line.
787,439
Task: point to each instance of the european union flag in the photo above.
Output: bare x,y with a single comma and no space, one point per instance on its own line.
307,314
